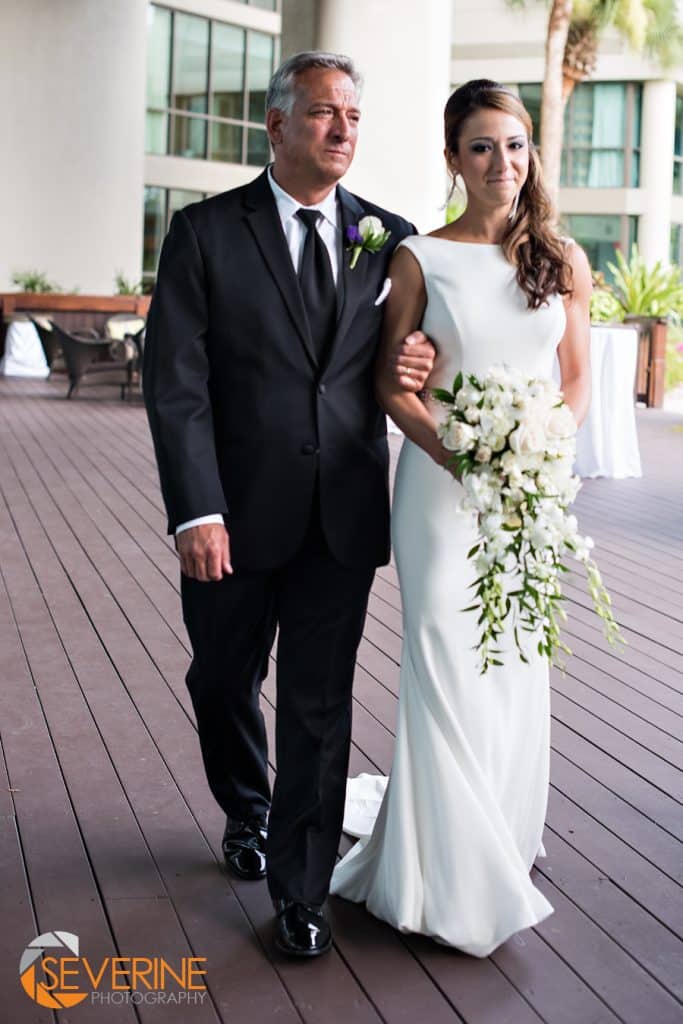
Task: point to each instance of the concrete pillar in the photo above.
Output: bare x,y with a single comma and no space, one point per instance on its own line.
72,108
656,169
402,49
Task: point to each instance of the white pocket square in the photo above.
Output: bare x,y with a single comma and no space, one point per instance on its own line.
386,288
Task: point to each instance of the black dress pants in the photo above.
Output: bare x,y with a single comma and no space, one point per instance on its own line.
319,607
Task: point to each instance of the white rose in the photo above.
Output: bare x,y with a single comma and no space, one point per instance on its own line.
543,386
483,453
560,423
472,414
509,462
369,227
497,374
527,438
458,437
495,422
467,396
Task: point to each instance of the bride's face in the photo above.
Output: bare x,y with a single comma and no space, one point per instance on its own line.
492,157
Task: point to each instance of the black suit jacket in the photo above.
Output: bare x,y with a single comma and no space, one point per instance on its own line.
242,416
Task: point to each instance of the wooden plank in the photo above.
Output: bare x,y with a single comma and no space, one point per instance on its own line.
64,890
178,847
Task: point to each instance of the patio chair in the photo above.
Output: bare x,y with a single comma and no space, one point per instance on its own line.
89,360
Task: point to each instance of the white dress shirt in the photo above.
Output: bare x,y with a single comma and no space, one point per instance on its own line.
328,227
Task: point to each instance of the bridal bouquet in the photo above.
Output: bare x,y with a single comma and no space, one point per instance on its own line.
513,445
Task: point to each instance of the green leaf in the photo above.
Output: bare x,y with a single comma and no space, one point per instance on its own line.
442,395
457,383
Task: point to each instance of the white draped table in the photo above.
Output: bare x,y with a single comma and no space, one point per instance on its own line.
24,356
607,442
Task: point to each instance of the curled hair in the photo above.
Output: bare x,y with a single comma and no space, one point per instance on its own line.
280,92
530,241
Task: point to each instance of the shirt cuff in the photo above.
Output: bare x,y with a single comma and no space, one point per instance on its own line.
199,521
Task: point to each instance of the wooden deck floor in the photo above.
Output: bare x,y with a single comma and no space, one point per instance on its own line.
107,828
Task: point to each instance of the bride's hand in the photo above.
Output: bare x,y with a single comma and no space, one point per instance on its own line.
445,458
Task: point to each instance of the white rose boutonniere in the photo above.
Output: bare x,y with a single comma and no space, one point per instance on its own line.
368,235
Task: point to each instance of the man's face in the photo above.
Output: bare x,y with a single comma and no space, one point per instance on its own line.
316,141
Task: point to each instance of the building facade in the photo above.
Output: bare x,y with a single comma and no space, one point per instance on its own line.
131,110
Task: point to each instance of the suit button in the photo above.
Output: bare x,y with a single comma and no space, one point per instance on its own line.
307,449
321,389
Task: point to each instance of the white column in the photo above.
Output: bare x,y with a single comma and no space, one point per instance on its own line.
656,169
72,107
402,49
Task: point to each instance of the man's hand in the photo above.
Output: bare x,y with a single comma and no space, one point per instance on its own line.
204,552
412,361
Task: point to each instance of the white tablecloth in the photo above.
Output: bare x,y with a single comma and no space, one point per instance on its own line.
24,356
607,442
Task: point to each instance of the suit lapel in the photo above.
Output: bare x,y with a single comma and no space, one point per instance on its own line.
264,222
352,281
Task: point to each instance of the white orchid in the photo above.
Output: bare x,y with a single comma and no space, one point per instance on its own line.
512,443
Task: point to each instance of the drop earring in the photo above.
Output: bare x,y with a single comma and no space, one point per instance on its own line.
456,196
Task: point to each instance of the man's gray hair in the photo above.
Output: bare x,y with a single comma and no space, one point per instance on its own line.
281,87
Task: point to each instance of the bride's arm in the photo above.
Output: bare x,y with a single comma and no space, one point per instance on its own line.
573,352
405,306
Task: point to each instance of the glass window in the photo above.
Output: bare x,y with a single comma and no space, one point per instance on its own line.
206,90
258,148
601,133
178,198
160,205
678,147
154,227
601,236
158,78
597,135
226,142
530,95
675,244
227,71
190,63
259,70
188,136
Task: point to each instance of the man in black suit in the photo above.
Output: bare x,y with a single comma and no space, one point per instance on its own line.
273,459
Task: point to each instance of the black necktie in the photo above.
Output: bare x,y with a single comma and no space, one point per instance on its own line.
317,284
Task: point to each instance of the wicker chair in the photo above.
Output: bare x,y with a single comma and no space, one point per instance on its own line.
89,360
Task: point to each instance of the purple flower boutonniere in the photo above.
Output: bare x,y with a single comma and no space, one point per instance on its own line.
368,235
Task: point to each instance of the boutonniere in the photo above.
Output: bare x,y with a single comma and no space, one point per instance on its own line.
368,235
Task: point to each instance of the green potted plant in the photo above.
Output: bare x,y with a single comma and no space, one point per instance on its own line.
650,298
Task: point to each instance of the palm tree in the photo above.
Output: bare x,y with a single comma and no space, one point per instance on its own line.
572,41
552,99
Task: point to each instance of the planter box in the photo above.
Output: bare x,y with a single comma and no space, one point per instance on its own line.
651,367
72,312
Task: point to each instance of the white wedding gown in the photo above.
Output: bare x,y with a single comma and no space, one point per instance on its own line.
460,824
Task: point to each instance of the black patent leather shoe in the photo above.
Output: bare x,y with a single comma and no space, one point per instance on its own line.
301,929
244,848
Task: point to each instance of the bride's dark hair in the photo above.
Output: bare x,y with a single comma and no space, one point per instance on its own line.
530,241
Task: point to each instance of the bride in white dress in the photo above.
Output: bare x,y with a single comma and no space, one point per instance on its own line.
461,821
